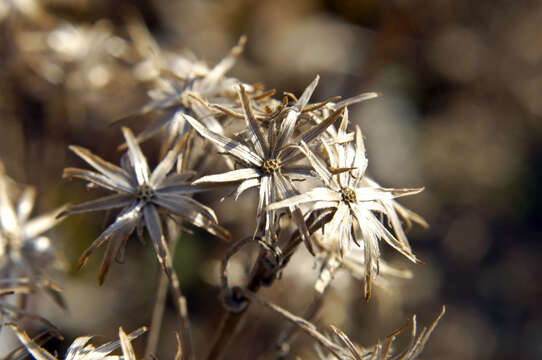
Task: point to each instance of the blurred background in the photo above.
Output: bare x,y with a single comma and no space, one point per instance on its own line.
460,113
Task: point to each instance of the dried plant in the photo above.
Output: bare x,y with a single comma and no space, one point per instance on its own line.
384,350
354,203
181,83
305,161
141,195
80,349
267,160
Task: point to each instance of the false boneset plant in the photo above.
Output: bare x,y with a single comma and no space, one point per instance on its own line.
305,160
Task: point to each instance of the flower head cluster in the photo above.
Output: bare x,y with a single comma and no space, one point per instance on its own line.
281,145
267,159
299,141
304,159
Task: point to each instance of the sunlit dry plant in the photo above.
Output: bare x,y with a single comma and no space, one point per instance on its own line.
385,349
306,162
141,196
339,346
177,82
19,289
26,255
268,162
356,206
81,349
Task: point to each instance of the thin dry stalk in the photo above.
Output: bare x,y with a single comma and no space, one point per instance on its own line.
180,303
160,302
157,316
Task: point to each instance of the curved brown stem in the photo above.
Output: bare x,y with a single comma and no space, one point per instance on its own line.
231,322
261,273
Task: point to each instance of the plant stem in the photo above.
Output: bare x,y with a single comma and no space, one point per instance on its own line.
231,322
185,330
178,299
157,315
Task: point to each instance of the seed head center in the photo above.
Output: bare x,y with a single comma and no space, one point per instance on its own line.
270,166
349,195
145,193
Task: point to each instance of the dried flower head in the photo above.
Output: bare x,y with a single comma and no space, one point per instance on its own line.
268,161
179,87
141,196
356,205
